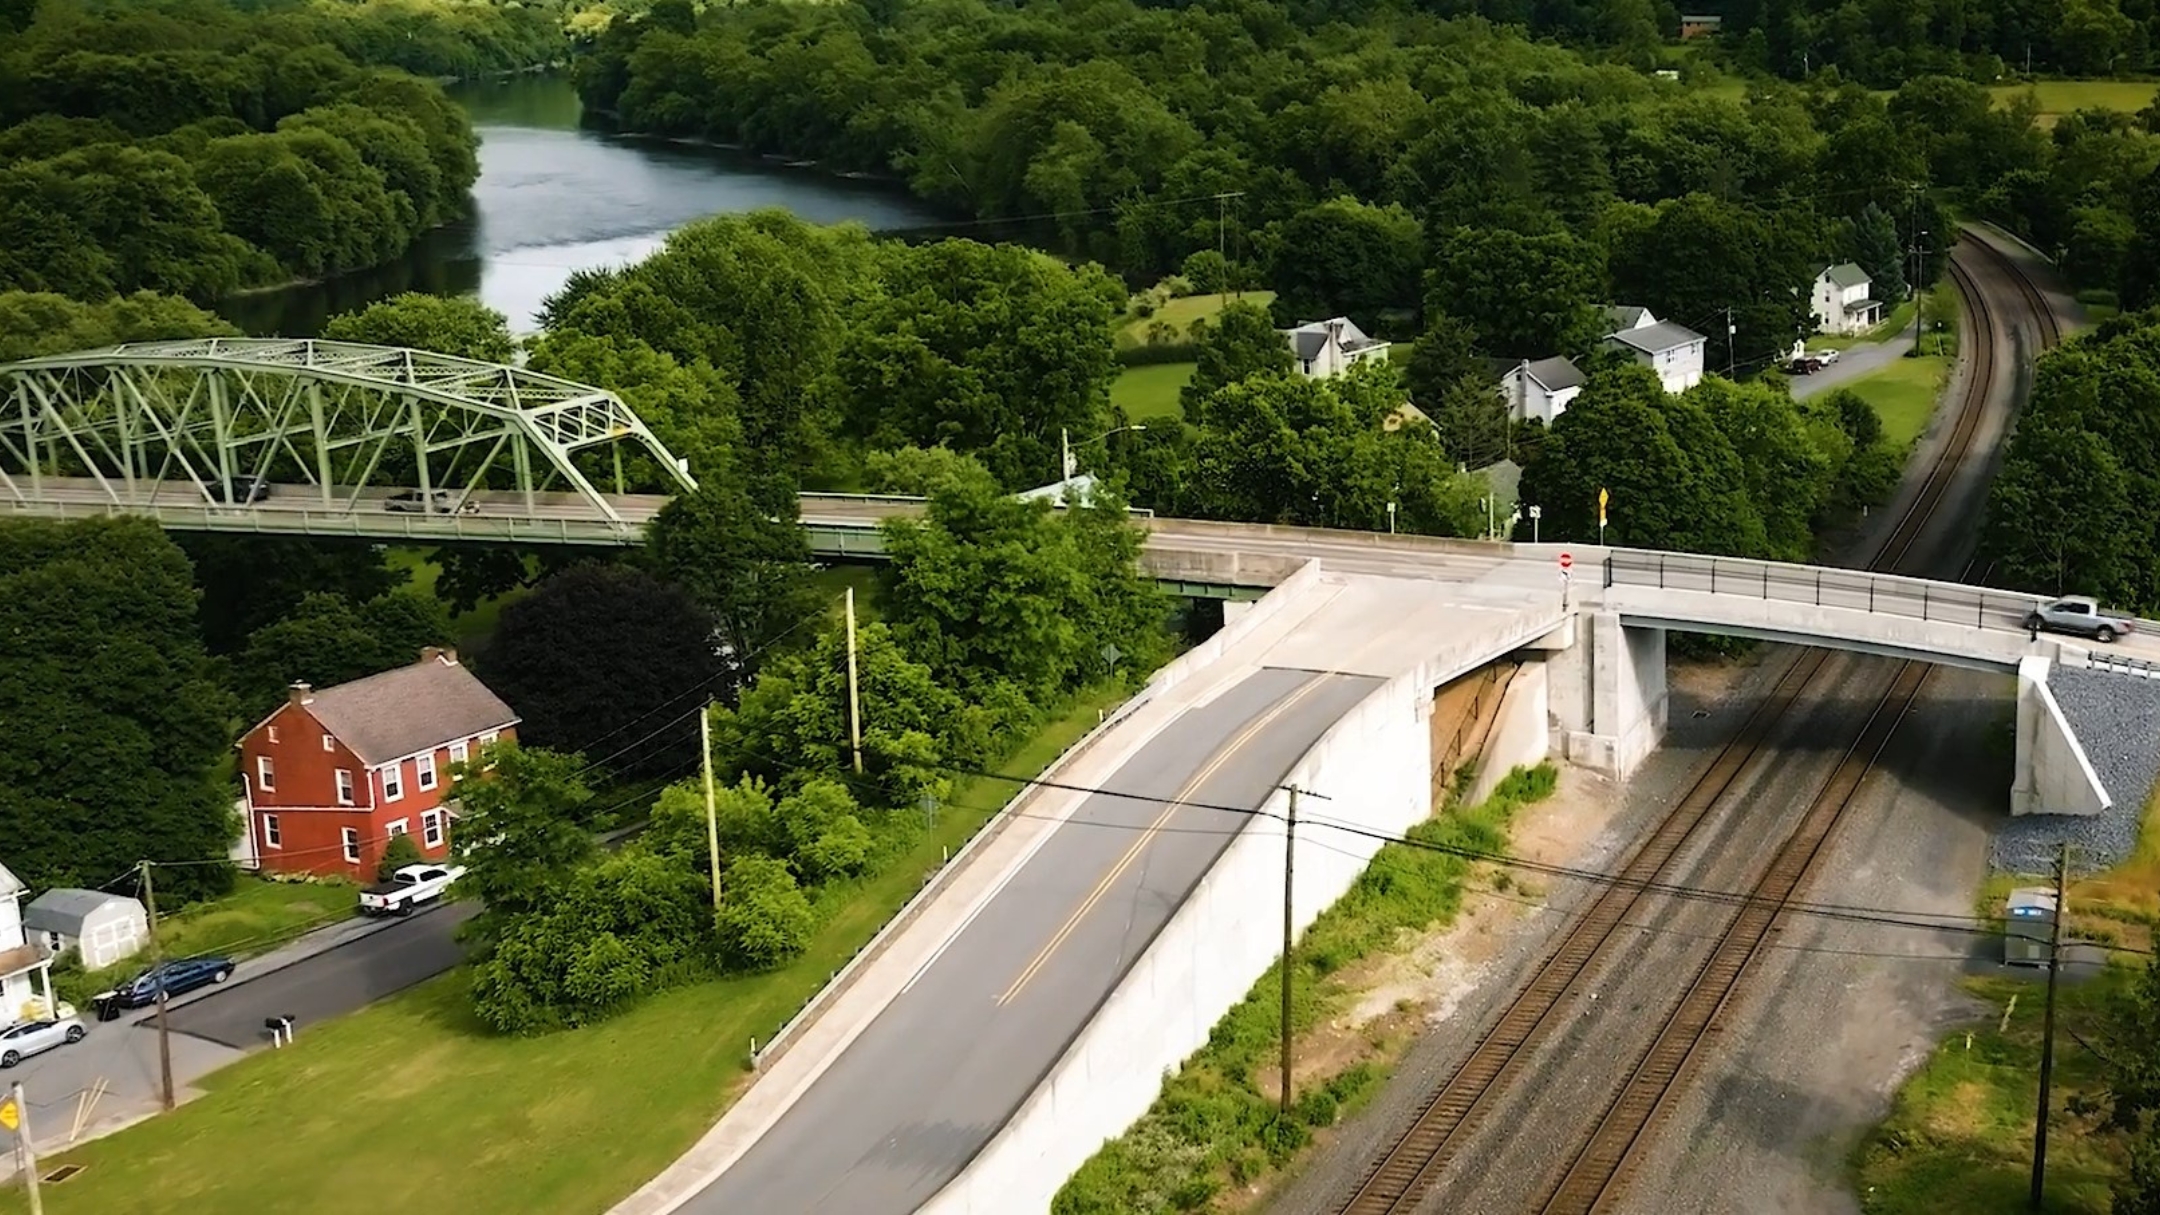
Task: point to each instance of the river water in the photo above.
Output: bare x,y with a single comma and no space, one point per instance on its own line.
555,196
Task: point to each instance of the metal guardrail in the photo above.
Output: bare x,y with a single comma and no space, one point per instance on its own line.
1853,590
371,525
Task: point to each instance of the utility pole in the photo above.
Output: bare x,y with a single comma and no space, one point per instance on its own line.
1065,461
1731,331
24,1148
1289,926
854,695
1919,272
712,818
2047,1030
157,957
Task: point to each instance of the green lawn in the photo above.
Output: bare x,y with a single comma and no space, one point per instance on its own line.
1151,391
1904,396
256,917
1182,312
472,627
408,1105
2059,97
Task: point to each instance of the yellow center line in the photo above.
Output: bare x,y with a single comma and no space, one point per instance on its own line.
1223,756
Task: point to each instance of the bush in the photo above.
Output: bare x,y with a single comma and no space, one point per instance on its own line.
763,919
396,854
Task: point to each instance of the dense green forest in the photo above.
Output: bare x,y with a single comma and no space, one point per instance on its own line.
192,148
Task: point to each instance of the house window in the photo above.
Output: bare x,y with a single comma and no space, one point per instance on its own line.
399,827
271,838
273,734
265,774
457,756
352,844
425,766
344,786
329,743
488,740
431,828
393,782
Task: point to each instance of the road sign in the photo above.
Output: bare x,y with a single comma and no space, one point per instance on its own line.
1567,561
1602,498
10,1117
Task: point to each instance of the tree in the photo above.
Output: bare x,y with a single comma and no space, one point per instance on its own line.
1240,341
398,852
1345,258
521,836
1876,250
747,569
251,581
608,658
1528,297
763,919
1700,256
917,470
117,727
33,324
1787,464
327,641
1445,356
443,324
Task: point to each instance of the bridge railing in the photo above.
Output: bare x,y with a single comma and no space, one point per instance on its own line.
1853,590
371,525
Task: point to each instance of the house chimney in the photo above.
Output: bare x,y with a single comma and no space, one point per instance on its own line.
442,652
299,693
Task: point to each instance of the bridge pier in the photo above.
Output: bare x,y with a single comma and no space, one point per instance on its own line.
1606,691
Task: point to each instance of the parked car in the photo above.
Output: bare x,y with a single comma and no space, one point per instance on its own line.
19,1042
173,978
410,887
2081,615
1824,357
1805,365
253,491
434,502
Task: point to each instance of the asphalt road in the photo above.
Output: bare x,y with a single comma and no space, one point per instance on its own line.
330,984
941,1069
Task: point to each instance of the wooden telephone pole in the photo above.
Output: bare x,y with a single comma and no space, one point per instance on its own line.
712,821
157,958
2047,1031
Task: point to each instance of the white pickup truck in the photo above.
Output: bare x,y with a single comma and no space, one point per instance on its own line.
410,887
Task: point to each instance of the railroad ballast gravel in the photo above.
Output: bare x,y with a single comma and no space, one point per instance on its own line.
2117,720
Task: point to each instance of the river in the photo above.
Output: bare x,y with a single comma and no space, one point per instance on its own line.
555,196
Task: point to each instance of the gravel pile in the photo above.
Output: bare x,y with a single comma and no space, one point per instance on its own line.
2117,718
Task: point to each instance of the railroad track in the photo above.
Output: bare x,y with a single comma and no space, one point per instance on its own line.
1402,1177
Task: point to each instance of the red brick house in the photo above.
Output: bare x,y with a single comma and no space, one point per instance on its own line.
334,773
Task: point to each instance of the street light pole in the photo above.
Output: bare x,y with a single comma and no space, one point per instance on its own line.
1069,466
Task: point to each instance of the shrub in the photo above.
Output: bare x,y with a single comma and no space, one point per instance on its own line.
398,853
763,919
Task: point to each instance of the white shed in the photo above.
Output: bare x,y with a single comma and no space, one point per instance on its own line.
107,927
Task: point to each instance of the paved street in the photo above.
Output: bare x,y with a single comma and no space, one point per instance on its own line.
1858,362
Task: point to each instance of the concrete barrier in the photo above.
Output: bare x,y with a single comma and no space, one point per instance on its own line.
1374,766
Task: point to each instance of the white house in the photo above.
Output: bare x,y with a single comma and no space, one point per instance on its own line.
1541,391
1841,301
1620,317
25,969
1331,347
105,928
1675,352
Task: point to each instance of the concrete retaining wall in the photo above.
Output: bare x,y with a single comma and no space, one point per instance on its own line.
2053,774
1374,765
1521,736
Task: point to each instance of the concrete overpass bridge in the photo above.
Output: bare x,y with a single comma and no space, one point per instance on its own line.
185,432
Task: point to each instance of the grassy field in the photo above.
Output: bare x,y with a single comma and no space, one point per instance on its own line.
472,627
1904,395
2059,97
1151,391
1959,1137
483,1125
1180,313
256,917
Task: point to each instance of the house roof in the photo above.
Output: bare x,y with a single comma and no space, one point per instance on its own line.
1655,339
1627,316
65,910
9,883
1556,373
404,711
1309,338
1845,276
1858,307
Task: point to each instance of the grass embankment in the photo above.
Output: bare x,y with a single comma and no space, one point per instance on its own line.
1906,391
1960,1135
256,917
1215,1126
411,1105
1180,313
472,627
1149,392
2060,97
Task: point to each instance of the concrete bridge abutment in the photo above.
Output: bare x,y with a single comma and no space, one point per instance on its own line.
1606,695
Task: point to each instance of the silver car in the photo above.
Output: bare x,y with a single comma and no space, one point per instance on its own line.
433,502
19,1042
2081,615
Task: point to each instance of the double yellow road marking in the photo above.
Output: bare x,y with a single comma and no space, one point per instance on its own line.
1225,755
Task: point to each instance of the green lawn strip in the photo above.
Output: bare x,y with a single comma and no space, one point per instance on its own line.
410,1104
1180,313
1960,1133
1151,391
472,627
1904,395
256,917
1215,1126
2059,97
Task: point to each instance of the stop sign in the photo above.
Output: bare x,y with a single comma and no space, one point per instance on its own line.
1567,561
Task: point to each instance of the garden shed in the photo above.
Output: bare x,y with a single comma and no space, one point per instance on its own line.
106,927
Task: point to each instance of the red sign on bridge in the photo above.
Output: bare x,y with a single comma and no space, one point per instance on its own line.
1567,561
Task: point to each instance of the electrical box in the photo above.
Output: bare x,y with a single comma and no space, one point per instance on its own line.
2029,926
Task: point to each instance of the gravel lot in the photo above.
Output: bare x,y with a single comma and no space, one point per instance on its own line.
2117,718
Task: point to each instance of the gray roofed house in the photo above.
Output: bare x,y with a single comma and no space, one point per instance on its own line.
1675,352
1627,316
1847,274
1330,347
105,927
407,710
1542,390
1842,300
1655,339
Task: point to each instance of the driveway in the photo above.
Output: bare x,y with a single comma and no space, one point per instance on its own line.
325,974
1856,363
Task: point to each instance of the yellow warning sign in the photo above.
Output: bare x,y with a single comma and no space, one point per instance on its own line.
10,1117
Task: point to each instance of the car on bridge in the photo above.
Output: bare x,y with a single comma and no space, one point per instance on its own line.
433,502
2081,615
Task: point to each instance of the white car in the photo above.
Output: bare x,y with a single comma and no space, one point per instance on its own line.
410,887
19,1042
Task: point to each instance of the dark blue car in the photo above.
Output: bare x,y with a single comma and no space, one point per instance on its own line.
174,978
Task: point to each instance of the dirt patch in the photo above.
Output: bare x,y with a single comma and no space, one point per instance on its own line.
1706,681
1962,1116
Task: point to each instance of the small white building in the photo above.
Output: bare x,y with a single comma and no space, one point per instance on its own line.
1842,302
104,928
1675,352
25,970
1331,347
1541,391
